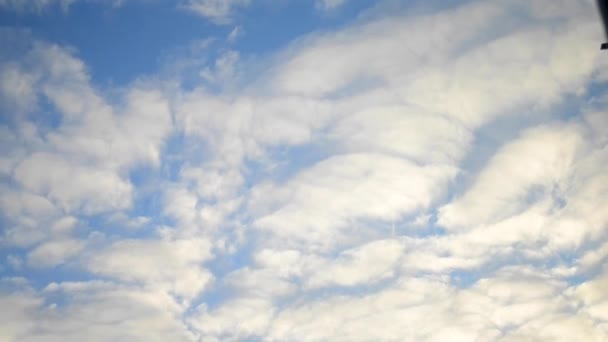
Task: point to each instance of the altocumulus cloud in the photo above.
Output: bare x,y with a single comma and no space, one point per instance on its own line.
410,172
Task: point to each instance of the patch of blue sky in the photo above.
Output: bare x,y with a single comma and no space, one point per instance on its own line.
16,40
180,151
171,160
464,278
570,258
122,43
11,261
147,210
431,228
117,43
581,278
147,181
597,90
45,116
217,295
268,26
222,266
7,181
564,258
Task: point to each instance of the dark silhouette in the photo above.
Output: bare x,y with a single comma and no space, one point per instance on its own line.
603,6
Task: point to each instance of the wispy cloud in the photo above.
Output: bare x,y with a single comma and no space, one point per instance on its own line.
218,11
327,5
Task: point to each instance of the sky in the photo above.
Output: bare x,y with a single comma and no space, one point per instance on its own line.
303,170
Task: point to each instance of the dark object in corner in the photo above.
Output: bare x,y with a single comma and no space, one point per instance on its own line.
603,7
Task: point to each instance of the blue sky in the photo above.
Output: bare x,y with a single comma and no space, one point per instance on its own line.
122,42
289,170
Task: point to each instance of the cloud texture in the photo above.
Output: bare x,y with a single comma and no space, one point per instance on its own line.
434,174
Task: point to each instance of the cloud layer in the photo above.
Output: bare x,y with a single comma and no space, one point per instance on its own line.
431,176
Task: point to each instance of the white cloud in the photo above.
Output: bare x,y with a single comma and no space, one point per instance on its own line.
173,266
65,224
322,204
218,11
224,69
16,88
17,321
236,320
398,122
97,311
276,211
53,253
406,131
26,211
317,69
504,307
73,187
78,166
537,162
427,67
213,183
